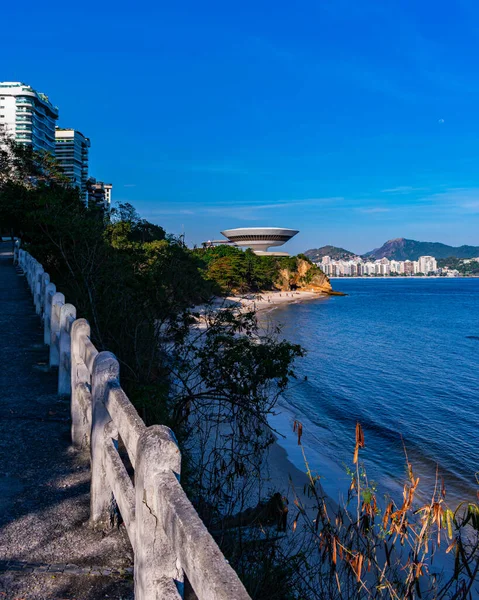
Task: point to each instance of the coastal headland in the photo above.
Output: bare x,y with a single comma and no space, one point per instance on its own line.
305,282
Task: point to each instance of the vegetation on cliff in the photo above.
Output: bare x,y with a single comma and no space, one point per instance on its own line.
242,272
464,266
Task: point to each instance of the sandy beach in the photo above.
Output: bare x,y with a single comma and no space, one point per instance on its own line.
282,476
266,300
260,301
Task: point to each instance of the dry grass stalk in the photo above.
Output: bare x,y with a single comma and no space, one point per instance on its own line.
388,550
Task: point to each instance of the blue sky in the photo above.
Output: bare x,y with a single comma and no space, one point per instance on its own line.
355,122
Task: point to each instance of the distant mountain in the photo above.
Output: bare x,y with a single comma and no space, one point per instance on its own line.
402,249
398,249
315,254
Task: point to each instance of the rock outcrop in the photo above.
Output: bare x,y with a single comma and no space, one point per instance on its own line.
306,277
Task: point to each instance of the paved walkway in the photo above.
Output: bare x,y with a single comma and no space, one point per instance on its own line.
46,549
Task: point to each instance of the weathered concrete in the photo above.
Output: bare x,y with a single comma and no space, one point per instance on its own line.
155,558
58,300
208,571
45,549
81,405
67,318
102,503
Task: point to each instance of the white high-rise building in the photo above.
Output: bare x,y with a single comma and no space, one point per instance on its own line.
108,187
427,264
99,193
72,154
384,266
27,116
395,266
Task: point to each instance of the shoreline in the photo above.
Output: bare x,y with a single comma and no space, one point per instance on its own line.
268,300
400,278
284,473
260,302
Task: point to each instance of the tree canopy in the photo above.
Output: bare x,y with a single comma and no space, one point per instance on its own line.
140,289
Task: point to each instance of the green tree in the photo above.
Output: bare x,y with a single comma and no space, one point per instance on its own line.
140,290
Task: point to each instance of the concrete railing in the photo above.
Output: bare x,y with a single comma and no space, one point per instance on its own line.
168,538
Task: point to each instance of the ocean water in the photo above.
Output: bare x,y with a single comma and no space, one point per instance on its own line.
401,356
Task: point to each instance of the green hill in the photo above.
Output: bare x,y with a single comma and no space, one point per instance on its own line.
403,249
398,249
315,254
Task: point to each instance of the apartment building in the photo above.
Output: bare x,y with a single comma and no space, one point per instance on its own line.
27,116
72,154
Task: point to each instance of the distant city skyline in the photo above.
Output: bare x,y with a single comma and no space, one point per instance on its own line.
351,123
359,267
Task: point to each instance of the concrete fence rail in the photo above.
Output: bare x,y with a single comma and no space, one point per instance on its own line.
168,538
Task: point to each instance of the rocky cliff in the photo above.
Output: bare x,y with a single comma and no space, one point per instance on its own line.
305,276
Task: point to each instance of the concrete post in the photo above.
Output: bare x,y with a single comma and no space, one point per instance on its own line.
28,262
157,452
81,427
106,370
26,270
31,271
44,281
68,314
38,289
50,291
58,300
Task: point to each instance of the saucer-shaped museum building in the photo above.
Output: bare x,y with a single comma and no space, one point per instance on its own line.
259,239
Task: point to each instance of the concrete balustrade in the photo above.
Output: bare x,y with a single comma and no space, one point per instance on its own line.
168,538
